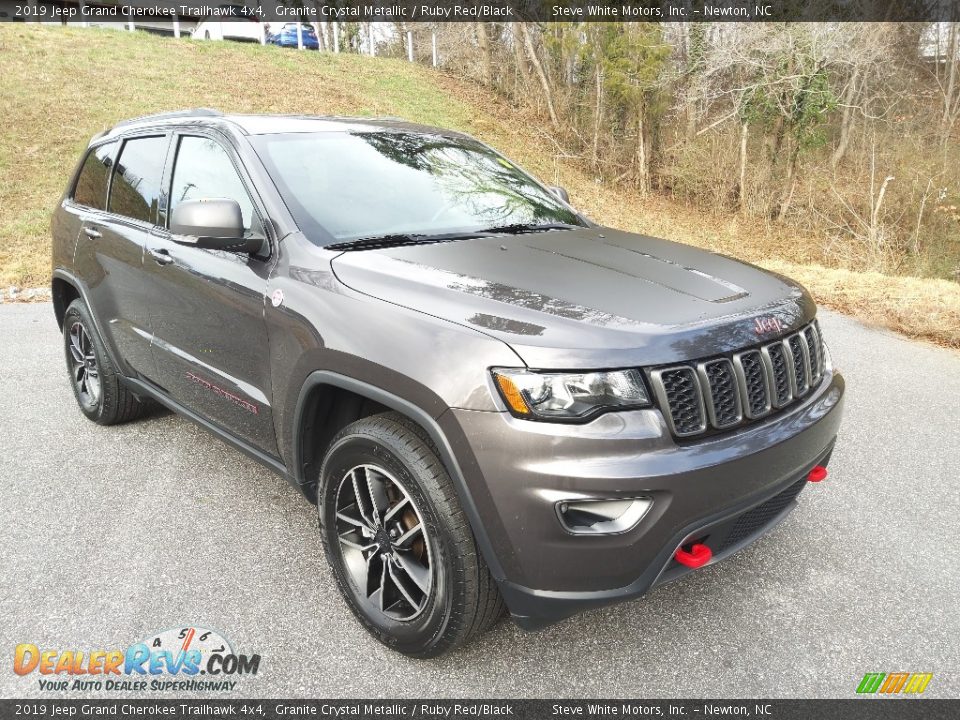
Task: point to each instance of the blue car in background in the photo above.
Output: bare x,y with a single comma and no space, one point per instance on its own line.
287,36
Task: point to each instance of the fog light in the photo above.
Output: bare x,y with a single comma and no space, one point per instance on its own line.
602,517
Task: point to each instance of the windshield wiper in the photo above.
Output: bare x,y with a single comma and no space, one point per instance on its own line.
375,242
518,228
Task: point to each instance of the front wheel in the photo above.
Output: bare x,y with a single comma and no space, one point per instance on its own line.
399,544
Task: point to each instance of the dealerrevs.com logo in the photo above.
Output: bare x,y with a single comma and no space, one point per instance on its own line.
187,659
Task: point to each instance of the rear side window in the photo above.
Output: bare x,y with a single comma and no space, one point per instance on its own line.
91,187
135,191
203,171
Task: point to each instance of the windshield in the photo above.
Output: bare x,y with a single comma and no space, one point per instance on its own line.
343,186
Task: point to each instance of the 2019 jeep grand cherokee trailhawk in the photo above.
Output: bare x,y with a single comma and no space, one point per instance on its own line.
491,399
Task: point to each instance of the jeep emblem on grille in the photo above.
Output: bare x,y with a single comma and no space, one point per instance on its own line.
767,324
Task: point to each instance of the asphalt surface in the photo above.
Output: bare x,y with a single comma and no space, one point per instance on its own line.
110,534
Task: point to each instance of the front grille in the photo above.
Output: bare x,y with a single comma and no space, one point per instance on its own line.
723,398
778,368
812,335
801,377
722,393
683,398
759,517
754,385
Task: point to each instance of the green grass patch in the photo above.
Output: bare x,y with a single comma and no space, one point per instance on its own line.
62,85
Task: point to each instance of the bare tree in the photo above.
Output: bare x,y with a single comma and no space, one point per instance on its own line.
948,79
541,74
483,42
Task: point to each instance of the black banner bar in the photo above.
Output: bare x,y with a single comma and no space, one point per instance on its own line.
79,11
873,708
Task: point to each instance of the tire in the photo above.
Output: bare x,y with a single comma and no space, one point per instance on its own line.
439,593
97,385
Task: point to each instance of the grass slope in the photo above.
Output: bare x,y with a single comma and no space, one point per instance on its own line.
61,85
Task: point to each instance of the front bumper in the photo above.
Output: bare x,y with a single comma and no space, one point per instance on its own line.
516,471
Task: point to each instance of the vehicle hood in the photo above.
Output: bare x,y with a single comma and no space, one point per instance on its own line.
591,297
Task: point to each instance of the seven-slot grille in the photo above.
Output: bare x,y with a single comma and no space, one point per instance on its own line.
684,401
721,393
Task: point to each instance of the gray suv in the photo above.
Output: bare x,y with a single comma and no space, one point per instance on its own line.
494,402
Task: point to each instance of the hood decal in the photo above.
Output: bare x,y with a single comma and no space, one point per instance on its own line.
519,297
506,325
709,289
738,292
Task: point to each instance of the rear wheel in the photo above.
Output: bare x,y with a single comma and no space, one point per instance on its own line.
97,385
398,542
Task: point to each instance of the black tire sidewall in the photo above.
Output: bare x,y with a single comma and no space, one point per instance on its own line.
416,636
77,312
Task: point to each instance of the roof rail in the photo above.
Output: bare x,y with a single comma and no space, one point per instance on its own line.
193,112
363,118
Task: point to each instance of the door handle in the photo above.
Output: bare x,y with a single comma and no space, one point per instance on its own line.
162,256
91,233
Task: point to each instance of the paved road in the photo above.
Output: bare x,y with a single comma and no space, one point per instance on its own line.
109,534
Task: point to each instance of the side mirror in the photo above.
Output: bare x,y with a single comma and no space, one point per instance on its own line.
560,193
215,224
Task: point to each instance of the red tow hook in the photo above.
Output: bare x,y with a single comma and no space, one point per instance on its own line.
817,474
698,556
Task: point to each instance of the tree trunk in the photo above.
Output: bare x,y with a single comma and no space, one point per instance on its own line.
323,35
519,61
483,41
690,112
320,28
541,75
846,118
789,183
697,35
742,189
643,160
775,141
597,116
950,102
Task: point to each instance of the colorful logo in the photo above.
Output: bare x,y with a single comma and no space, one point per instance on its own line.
894,683
184,653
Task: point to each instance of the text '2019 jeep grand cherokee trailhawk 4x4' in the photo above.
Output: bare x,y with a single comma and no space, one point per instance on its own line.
492,399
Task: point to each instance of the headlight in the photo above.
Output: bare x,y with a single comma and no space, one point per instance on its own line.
569,396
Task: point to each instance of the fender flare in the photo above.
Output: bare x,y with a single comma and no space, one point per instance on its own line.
424,420
81,289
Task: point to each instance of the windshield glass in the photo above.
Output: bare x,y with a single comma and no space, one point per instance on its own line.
343,186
